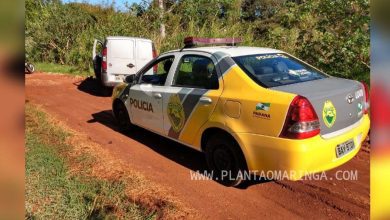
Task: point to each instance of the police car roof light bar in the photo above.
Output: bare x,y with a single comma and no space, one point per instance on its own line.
198,41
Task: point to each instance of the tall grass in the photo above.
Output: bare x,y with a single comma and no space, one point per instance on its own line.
58,68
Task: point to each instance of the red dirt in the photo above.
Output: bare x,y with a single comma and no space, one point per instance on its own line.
77,102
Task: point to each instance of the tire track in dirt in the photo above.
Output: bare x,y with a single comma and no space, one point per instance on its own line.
333,200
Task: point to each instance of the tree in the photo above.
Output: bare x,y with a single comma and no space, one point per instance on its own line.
162,25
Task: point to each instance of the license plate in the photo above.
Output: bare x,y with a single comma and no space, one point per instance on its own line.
344,148
119,78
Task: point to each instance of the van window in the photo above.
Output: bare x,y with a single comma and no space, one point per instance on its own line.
122,49
196,71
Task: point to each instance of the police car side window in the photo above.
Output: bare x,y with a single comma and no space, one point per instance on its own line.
157,73
196,71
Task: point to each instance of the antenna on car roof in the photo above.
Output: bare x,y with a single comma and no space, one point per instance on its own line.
191,42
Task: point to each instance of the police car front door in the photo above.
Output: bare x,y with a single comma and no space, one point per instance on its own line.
146,106
146,97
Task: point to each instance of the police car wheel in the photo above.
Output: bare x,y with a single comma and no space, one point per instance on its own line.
122,117
225,160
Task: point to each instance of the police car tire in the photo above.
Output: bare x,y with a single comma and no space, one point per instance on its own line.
222,149
122,117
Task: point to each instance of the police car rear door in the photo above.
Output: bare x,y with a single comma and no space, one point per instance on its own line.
192,97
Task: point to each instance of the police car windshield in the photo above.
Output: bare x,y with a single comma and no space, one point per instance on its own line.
277,69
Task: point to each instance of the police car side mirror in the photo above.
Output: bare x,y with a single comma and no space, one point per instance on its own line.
130,78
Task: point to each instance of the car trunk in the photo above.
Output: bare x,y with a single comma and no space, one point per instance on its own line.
337,91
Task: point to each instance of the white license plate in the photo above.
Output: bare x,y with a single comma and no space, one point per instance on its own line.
119,78
344,148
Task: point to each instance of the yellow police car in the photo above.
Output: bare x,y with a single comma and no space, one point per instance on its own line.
248,109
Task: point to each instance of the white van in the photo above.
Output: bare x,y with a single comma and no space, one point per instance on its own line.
119,57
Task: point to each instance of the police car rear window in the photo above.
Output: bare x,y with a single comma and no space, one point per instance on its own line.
270,70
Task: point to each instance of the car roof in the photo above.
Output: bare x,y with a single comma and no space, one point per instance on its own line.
232,51
125,38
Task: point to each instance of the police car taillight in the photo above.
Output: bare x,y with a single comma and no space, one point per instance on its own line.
301,120
366,98
104,59
198,41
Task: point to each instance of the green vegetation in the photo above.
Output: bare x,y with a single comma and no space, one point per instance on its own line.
54,192
331,35
58,68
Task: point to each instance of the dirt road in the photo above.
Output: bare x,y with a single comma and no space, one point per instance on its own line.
78,103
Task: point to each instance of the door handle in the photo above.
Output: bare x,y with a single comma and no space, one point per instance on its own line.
205,100
157,95
130,65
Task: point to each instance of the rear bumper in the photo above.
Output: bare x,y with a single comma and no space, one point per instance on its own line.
109,80
299,157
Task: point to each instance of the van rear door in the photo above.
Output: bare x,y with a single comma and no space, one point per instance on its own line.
121,57
97,58
95,44
144,52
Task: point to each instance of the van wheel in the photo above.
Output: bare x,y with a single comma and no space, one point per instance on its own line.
225,160
122,117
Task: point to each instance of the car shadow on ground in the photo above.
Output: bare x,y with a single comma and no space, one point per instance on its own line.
172,150
93,87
